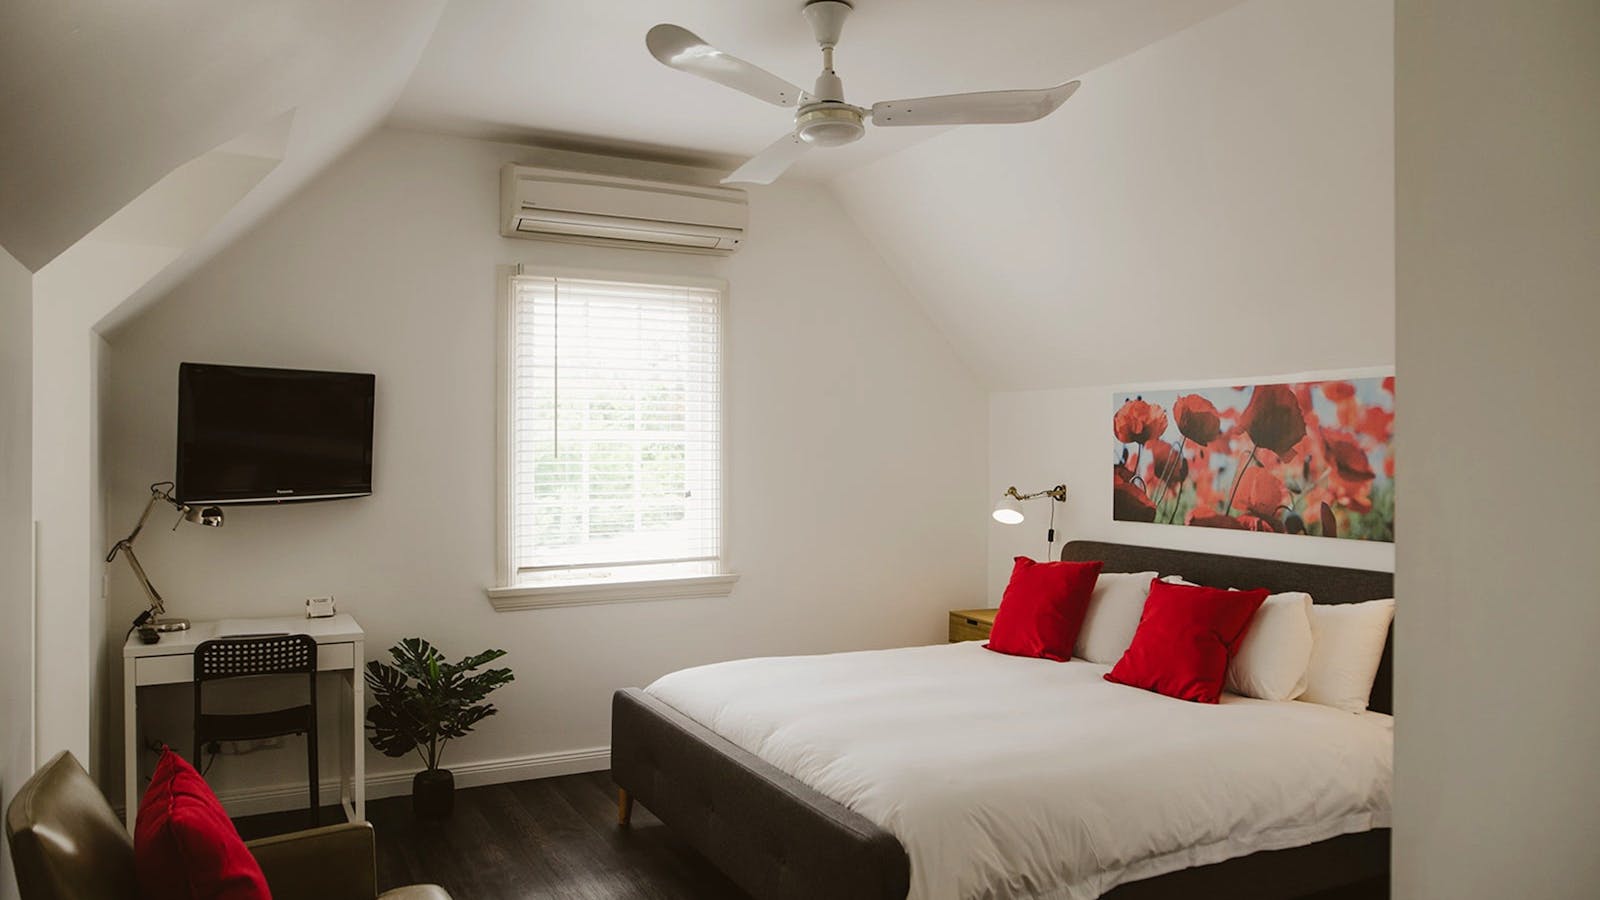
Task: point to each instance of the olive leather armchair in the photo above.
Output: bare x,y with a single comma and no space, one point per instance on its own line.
68,844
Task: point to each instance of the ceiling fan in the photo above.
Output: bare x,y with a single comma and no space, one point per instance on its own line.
822,117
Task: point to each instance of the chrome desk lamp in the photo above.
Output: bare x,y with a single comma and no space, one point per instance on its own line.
161,492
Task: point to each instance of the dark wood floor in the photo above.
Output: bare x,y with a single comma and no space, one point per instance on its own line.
552,838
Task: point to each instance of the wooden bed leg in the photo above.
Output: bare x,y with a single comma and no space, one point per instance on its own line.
624,807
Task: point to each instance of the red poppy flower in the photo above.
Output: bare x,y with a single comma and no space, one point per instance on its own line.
1138,422
1197,418
1260,493
1205,487
1261,523
1274,419
1128,503
1388,465
1169,465
1344,453
1338,390
1388,385
1205,518
1376,423
1356,496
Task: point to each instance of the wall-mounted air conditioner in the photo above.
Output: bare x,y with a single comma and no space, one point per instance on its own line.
551,204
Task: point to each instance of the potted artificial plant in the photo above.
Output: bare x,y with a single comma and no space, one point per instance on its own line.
422,704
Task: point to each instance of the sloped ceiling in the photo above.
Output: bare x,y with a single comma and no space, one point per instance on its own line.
102,100
577,74
1218,204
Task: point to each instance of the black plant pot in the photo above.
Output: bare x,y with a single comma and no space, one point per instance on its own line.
433,794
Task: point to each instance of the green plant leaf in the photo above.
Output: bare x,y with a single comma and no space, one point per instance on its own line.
422,702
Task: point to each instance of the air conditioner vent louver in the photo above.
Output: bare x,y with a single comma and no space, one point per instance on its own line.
549,204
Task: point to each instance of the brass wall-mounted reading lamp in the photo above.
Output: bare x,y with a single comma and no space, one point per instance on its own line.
1008,511
161,492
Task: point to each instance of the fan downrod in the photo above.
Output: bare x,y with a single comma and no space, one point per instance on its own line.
828,121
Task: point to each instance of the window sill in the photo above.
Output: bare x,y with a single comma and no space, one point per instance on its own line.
515,597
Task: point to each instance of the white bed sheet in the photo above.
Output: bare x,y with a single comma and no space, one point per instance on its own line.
1006,777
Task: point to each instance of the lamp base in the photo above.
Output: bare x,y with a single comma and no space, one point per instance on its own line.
164,623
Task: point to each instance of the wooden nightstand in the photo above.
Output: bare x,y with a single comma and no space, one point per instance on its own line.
970,624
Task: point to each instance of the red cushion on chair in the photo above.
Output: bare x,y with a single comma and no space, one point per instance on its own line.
1185,639
1043,608
185,847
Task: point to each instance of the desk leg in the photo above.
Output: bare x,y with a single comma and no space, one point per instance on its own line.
358,698
352,755
130,744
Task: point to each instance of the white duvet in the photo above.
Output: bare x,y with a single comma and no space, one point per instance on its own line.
1008,777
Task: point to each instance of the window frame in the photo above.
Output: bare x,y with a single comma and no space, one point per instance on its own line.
507,593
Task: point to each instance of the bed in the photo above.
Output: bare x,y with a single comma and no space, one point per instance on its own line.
753,778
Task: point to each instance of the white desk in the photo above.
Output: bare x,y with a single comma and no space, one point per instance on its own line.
340,643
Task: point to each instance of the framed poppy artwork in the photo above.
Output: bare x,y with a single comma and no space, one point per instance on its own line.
1311,458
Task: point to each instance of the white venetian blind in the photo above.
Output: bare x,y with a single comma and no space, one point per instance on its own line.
616,428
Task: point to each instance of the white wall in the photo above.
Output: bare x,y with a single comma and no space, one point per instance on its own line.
72,295
1217,203
857,444
16,539
1042,438
1497,791
319,110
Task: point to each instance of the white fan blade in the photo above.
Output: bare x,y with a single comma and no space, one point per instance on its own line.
767,165
683,50
982,108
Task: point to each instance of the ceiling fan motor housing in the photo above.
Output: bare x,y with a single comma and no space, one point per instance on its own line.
828,121
829,124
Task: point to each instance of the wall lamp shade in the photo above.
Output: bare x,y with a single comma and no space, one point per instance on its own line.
209,516
1008,511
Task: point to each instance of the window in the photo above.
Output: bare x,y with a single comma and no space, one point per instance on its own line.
611,441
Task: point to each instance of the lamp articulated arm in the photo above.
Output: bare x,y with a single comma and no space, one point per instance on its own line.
1057,493
160,492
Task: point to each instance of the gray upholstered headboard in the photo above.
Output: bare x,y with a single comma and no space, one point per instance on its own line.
1325,584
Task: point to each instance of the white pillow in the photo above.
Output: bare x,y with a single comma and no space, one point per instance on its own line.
1347,645
1113,616
1273,659
1275,654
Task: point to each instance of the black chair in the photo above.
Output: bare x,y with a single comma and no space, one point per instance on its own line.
285,654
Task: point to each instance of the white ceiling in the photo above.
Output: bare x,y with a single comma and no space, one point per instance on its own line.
102,100
577,74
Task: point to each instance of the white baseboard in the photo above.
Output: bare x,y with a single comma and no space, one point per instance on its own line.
276,798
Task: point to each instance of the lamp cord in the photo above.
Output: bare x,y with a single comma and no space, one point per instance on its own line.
1050,534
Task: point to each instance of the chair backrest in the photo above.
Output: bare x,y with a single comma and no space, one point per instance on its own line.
66,842
238,657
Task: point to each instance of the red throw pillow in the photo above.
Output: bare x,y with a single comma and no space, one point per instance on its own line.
1043,608
185,847
1185,639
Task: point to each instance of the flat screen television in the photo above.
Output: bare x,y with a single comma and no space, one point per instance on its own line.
250,435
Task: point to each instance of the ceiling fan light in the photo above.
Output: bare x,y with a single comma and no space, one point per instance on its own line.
829,126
